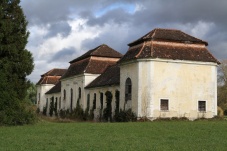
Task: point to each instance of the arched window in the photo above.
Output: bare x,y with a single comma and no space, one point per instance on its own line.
64,95
128,89
79,93
88,101
94,101
71,102
59,102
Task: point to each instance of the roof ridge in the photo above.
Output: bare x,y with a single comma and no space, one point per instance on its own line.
140,50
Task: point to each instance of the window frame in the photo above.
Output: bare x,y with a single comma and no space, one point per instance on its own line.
164,99
199,108
128,89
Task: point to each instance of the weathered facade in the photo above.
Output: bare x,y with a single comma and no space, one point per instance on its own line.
165,73
47,81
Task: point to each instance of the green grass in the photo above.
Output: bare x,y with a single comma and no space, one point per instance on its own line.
172,135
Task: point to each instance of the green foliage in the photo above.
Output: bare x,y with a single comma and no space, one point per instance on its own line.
44,110
56,108
62,113
31,93
15,64
78,112
51,110
222,96
126,116
107,112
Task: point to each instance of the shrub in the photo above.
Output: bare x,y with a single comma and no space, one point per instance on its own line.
125,116
78,112
38,110
56,108
44,110
62,113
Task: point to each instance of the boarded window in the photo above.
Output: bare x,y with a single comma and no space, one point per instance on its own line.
128,89
202,106
164,105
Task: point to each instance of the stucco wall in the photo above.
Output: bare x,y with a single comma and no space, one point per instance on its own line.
75,83
57,97
42,89
129,71
98,92
182,83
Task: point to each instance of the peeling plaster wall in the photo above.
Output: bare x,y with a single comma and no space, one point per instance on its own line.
42,89
182,83
57,96
131,71
98,91
74,83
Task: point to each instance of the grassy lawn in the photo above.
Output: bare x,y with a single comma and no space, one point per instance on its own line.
172,135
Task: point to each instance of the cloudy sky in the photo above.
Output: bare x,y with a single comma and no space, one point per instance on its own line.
61,30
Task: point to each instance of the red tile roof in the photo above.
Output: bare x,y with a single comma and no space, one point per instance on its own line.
94,61
100,51
169,44
51,77
49,80
111,76
55,72
173,35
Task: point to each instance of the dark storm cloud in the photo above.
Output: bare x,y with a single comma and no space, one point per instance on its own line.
62,28
183,15
64,55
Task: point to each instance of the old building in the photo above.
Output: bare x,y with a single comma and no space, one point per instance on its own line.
165,73
46,82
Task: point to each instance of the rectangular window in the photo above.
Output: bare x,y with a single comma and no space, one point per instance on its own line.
101,100
202,106
164,104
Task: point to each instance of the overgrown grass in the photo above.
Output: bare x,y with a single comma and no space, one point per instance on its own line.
159,135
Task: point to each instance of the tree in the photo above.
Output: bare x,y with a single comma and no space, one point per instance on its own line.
15,64
222,85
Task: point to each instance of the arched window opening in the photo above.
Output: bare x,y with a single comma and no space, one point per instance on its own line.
88,101
101,100
59,102
71,102
79,93
94,101
128,89
117,97
64,95
56,106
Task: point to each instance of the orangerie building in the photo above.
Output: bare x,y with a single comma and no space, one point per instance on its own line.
165,73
